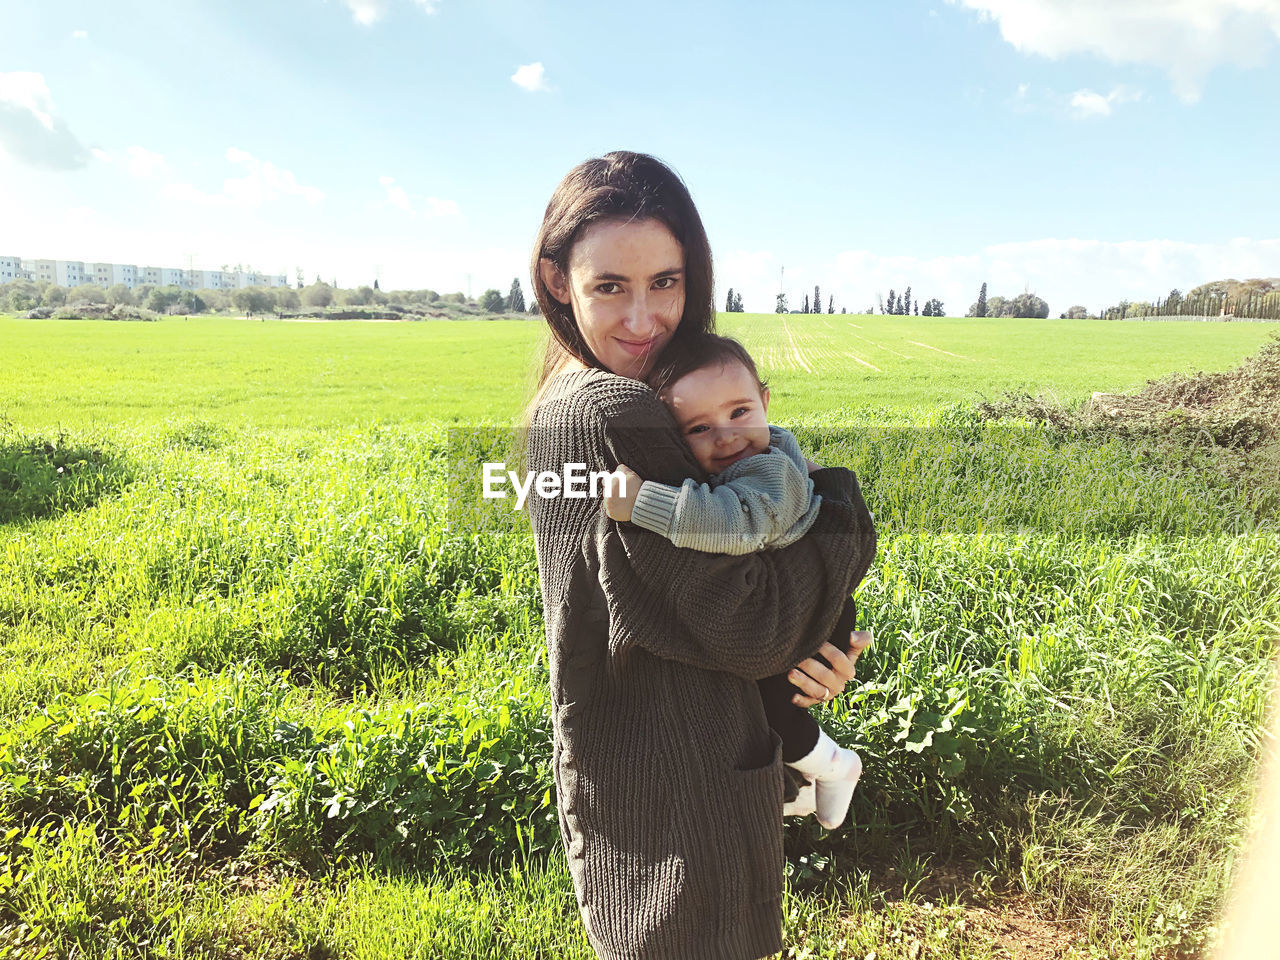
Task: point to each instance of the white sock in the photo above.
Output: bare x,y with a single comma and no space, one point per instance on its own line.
835,772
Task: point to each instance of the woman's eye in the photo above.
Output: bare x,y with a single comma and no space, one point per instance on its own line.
665,283
603,287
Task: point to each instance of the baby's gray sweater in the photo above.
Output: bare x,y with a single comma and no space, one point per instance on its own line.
762,501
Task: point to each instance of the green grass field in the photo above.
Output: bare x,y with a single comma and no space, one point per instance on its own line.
274,374
269,688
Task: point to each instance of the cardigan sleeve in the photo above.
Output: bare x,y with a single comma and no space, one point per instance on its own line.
763,500
753,615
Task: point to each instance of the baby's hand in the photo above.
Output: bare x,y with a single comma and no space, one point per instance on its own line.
621,492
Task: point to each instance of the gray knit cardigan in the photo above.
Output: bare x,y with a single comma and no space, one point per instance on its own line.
668,778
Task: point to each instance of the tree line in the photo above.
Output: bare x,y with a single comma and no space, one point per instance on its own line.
1257,300
21,296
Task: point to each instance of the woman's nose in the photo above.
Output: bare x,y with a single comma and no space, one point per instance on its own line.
639,318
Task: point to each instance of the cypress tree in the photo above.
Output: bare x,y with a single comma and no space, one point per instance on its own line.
817,299
891,307
728,302
982,301
515,299
905,302
806,304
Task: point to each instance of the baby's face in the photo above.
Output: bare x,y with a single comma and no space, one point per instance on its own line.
722,414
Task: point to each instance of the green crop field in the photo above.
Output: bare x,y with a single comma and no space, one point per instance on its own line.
273,679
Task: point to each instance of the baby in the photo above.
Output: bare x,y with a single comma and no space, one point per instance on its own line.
760,497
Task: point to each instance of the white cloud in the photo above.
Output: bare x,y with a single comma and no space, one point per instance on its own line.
262,182
1088,103
1187,38
80,34
440,208
398,197
143,163
532,76
368,12
31,130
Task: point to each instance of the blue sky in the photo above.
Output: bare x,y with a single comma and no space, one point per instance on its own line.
1086,150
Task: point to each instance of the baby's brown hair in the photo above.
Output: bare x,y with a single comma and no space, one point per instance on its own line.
694,353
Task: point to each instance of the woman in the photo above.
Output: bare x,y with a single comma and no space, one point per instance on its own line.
669,781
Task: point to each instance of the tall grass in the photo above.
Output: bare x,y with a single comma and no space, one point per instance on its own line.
313,657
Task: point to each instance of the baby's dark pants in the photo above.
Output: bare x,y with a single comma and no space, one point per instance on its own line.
798,730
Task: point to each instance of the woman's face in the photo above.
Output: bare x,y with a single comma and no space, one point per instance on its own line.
626,289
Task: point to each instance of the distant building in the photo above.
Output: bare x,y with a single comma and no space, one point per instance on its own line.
72,273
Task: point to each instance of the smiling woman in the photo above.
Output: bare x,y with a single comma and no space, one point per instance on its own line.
669,782
627,291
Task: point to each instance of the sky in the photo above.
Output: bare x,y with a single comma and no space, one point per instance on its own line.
1084,150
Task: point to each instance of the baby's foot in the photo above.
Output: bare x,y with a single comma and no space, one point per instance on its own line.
834,789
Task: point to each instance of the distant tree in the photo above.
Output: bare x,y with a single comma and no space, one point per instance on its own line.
1173,303
817,299
1030,306
728,302
491,300
737,304
917,307
297,274
933,308
21,295
906,302
880,301
119,294
160,299
286,299
1076,312
996,307
515,298
782,304
188,301
806,304
253,300
319,294
87,291
54,295
981,306
842,309
534,308
831,303
376,285
892,306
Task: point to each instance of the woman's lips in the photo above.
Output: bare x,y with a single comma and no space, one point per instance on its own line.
636,348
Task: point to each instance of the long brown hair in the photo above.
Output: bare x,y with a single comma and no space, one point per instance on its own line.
621,185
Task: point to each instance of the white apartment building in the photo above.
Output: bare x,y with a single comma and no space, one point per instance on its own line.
40,271
72,273
69,273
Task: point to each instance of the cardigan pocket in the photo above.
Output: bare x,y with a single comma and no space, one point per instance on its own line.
754,830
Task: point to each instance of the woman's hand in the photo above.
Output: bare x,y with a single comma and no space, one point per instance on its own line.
823,683
620,493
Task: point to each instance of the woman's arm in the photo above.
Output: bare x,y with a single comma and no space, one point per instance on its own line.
752,615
